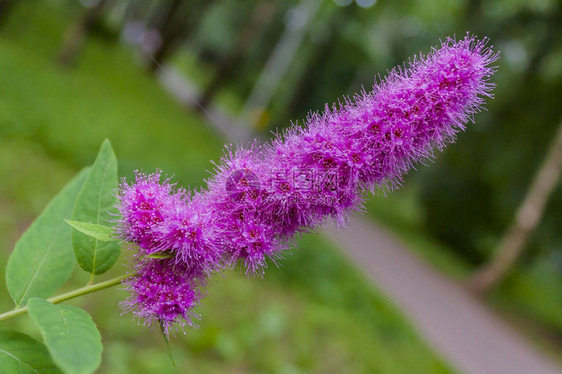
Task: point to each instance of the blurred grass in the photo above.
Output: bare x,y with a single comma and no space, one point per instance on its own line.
69,112
315,314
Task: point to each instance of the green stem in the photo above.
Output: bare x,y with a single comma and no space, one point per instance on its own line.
69,295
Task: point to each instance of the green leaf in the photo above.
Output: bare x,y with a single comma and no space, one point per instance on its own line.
70,335
99,232
160,255
22,354
42,259
96,204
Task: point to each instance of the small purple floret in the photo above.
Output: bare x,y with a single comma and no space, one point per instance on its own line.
190,233
144,206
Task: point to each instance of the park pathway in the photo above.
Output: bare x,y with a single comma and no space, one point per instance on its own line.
461,328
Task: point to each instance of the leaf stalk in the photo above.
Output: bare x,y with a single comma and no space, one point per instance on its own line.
70,295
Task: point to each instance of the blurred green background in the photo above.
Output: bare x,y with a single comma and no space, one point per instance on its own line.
74,73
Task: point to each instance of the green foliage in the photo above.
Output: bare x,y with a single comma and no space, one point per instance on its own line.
533,293
42,259
466,231
96,204
19,353
70,335
98,232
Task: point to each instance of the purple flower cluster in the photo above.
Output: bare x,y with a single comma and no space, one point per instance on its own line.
166,290
261,196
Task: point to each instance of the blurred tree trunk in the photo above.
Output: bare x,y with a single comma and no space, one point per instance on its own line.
261,16
175,26
527,218
313,72
278,63
169,31
77,33
311,75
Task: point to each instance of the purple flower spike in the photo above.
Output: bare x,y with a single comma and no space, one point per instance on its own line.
164,292
262,196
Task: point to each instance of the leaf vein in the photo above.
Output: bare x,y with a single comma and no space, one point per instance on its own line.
18,360
41,263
